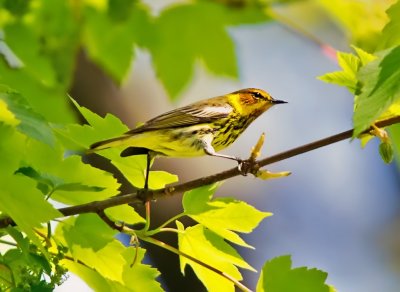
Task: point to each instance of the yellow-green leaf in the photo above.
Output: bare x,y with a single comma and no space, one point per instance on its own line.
278,276
224,216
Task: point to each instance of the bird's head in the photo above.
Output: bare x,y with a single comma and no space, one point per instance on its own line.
252,101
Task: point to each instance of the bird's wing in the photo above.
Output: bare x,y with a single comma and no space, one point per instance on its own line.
185,116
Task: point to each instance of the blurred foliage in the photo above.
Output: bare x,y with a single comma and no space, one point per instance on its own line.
374,79
109,32
40,143
362,21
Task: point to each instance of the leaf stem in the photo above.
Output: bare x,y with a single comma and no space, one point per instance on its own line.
176,217
147,223
197,261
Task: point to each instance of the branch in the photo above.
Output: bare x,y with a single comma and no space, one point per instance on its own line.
138,197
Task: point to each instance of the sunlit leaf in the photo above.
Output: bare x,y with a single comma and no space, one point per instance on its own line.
211,249
224,216
82,136
277,275
362,20
350,65
390,35
88,230
19,197
70,179
6,116
125,214
31,123
132,167
380,80
92,241
139,277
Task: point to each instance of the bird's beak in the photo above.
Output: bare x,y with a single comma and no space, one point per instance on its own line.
277,101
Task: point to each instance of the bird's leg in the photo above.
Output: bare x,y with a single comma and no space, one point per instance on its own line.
146,179
146,187
243,165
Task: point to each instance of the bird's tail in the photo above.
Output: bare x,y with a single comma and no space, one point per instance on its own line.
104,144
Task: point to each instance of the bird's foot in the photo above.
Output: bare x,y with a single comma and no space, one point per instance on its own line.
246,166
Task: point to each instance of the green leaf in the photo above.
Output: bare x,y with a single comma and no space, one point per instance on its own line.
125,214
35,64
390,35
176,48
350,65
347,77
92,241
6,116
87,230
31,123
110,267
16,7
36,78
223,215
107,263
13,260
17,189
22,242
58,26
34,210
134,169
364,56
78,187
360,20
78,136
211,249
70,180
48,183
139,277
110,42
120,10
380,80
278,276
28,257
45,184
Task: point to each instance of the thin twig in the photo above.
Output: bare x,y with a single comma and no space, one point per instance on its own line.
108,221
161,244
96,206
197,261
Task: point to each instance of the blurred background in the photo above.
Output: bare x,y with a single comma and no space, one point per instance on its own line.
339,210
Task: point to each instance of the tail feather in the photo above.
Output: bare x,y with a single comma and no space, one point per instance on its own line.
104,144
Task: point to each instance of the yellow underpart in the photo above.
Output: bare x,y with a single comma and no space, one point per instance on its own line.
180,142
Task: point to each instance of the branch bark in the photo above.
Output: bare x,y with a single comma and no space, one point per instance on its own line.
138,197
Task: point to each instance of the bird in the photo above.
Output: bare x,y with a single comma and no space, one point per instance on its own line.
201,128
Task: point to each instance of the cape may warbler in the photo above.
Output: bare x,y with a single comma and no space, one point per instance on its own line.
201,128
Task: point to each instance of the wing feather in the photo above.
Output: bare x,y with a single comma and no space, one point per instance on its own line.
185,116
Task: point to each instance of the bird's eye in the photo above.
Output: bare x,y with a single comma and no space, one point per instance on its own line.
257,95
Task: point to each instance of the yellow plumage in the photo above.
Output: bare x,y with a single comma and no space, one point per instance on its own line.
201,128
